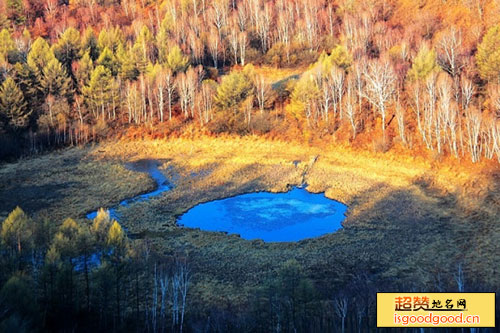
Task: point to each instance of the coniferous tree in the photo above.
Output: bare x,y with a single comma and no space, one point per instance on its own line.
234,88
18,297
304,99
128,65
424,64
13,106
488,55
235,94
117,241
341,57
116,238
110,38
86,248
83,70
101,93
16,231
15,11
145,44
7,45
27,81
89,44
65,240
65,247
68,48
140,58
55,81
100,226
163,37
4,21
108,60
39,57
52,265
176,61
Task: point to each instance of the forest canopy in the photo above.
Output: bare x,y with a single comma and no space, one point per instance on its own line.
375,74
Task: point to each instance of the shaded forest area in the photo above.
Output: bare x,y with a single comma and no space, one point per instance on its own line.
86,276
89,276
377,74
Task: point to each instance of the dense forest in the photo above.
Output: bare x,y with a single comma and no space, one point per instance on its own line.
422,75
84,276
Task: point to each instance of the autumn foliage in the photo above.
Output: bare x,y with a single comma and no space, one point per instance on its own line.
420,75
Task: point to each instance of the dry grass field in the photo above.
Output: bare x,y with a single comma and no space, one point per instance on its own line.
408,219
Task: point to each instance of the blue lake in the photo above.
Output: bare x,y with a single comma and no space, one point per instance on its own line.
272,217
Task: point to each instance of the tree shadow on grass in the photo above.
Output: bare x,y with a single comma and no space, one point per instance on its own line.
410,238
31,198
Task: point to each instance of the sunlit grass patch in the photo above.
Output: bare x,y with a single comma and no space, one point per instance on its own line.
399,206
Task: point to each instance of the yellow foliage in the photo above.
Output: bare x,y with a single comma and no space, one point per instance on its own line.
116,236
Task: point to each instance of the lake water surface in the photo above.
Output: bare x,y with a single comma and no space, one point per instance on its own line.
272,217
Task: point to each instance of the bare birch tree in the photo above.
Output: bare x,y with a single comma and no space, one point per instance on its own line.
243,43
336,83
183,91
262,90
380,86
401,119
341,306
206,101
214,47
473,122
350,106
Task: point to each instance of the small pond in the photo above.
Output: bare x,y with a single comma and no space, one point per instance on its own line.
272,217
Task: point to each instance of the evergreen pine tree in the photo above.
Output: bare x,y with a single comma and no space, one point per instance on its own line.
7,45
340,57
4,21
100,226
68,48
128,66
116,236
39,56
163,37
65,240
176,61
424,64
13,106
233,90
15,12
488,55
110,38
143,48
84,69
55,81
108,60
140,58
303,98
27,81
101,93
89,44
16,230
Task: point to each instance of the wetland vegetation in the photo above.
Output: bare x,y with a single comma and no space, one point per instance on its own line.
409,226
